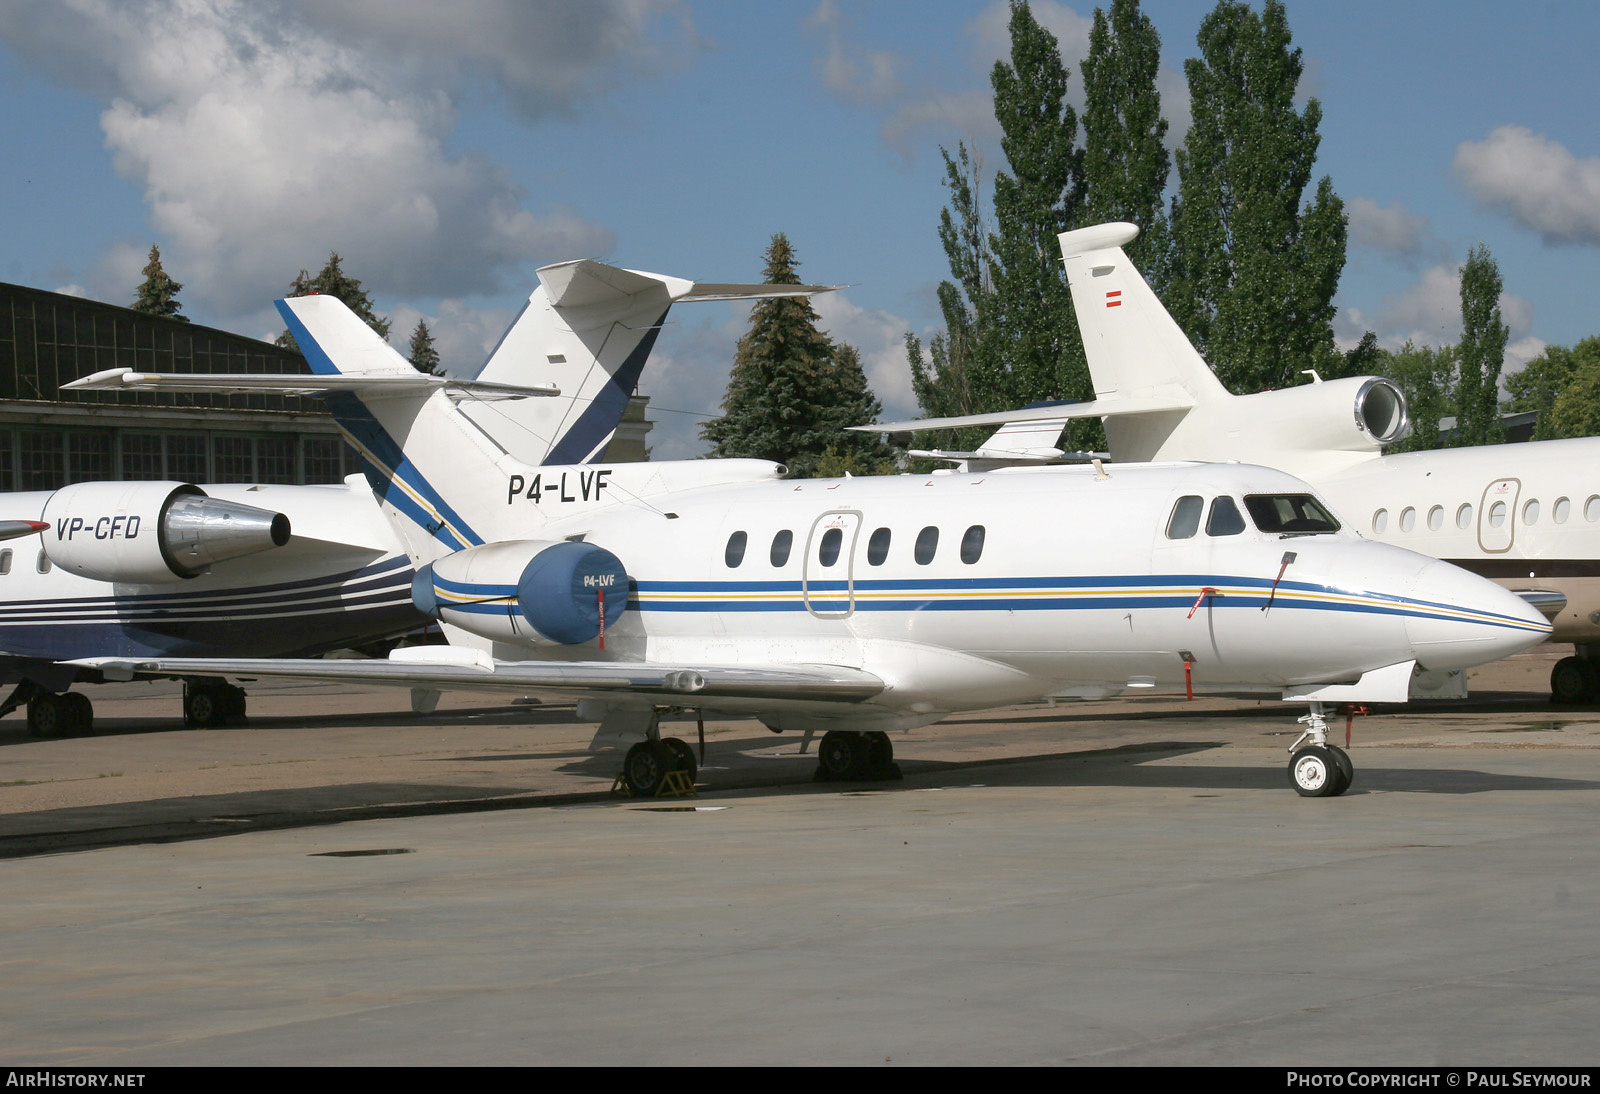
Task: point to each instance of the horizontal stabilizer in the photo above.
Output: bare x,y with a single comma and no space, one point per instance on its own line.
585,283
1098,408
126,379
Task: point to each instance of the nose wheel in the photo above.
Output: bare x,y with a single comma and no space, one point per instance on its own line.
1318,769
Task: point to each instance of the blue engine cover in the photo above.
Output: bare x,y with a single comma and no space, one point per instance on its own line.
555,588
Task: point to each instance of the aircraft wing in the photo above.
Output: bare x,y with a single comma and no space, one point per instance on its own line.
448,667
1098,408
126,379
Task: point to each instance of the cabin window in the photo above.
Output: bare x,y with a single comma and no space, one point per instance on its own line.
927,544
972,544
781,544
735,552
1380,521
1561,510
1185,519
828,553
43,565
1408,519
878,547
1464,516
1530,511
5,561
1289,514
1591,508
1436,518
1225,519
1497,514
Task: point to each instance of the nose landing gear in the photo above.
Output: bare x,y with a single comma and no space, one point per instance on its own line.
1318,769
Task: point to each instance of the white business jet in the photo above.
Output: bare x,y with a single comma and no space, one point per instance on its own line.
252,570
1526,515
859,606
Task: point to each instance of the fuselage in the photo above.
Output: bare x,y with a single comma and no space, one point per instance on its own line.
339,580
963,591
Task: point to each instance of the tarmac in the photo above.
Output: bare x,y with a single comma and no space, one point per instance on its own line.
340,881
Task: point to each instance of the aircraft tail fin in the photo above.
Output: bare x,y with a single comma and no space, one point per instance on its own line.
588,330
1135,348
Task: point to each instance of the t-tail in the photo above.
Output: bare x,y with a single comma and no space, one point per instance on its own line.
1160,400
588,330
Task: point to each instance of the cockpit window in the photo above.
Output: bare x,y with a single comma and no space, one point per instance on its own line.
1224,519
1185,519
1290,514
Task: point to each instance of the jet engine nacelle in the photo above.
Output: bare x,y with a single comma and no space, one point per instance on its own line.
1357,413
533,592
142,532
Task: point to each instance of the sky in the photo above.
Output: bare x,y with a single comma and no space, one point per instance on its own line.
446,151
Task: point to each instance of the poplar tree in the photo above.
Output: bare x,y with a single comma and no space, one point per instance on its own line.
1125,157
792,390
423,356
1035,331
1481,352
1254,272
1546,381
158,293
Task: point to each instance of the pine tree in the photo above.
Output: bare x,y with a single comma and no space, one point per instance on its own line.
1481,352
1254,272
792,390
424,358
331,280
158,293
1125,158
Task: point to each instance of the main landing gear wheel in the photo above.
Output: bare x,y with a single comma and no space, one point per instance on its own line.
52,715
1315,772
1574,680
852,757
210,703
648,763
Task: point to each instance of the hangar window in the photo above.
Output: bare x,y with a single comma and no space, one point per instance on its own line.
1408,519
1225,519
1436,518
927,544
43,565
1289,514
781,545
735,552
1380,521
1464,516
1561,510
5,561
972,544
1185,519
828,553
1530,511
878,547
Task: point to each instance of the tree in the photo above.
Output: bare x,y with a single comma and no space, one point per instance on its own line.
1254,272
1125,158
1549,379
158,293
331,280
792,390
1035,331
1481,353
423,357
1427,377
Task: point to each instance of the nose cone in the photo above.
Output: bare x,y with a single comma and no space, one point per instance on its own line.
1460,620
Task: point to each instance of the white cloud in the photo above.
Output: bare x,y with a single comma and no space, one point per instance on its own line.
1393,229
879,337
265,135
1535,181
1429,313
848,69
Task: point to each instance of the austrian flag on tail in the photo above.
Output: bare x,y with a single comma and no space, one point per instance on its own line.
1114,298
